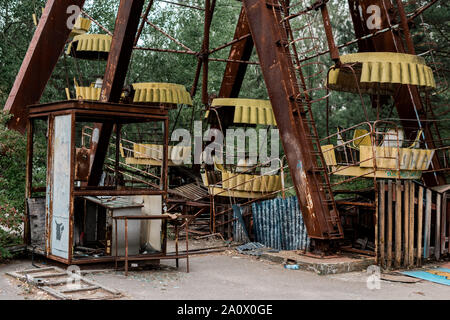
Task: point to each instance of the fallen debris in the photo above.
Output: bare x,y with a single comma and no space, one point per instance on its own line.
64,285
254,249
397,277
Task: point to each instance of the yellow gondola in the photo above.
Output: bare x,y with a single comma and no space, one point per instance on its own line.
380,73
90,46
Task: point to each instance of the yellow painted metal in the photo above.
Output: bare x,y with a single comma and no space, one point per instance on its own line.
257,184
416,143
153,92
152,154
217,191
361,137
395,163
249,111
251,183
381,72
90,46
329,155
355,171
68,94
392,158
245,191
81,26
87,93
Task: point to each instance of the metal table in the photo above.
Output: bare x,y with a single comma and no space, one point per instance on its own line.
168,218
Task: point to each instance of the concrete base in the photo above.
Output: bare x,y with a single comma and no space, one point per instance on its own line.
341,264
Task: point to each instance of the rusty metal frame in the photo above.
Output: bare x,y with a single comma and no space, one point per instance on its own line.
272,47
408,95
40,60
81,111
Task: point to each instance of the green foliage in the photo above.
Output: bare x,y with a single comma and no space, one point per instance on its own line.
12,185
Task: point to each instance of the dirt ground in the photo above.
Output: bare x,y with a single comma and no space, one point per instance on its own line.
230,275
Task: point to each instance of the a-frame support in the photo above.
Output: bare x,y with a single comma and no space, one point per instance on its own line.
41,58
269,37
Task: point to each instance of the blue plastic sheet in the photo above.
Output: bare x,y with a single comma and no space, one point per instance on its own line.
430,275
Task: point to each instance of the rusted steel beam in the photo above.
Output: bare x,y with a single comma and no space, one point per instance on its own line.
84,13
270,40
182,5
145,17
192,53
203,56
127,22
235,72
121,49
405,27
408,102
230,43
334,51
242,50
209,13
168,35
40,60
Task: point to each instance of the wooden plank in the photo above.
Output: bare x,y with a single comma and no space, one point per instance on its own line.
40,270
381,223
55,293
406,224
412,190
419,226
389,225
377,228
398,225
448,222
437,237
90,288
426,243
444,223
54,286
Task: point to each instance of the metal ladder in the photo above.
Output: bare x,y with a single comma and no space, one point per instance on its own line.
303,113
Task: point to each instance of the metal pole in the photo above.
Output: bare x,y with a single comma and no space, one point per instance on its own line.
126,247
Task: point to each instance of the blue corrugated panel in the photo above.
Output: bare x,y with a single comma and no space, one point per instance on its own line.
239,232
278,224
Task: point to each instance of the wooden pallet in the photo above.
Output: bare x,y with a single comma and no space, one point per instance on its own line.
65,285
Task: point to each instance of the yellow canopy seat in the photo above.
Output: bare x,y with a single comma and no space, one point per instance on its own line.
391,162
90,46
381,73
248,111
152,154
361,137
91,93
85,93
82,26
162,93
241,185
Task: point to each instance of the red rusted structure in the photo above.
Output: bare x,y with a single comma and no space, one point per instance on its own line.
45,49
266,26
